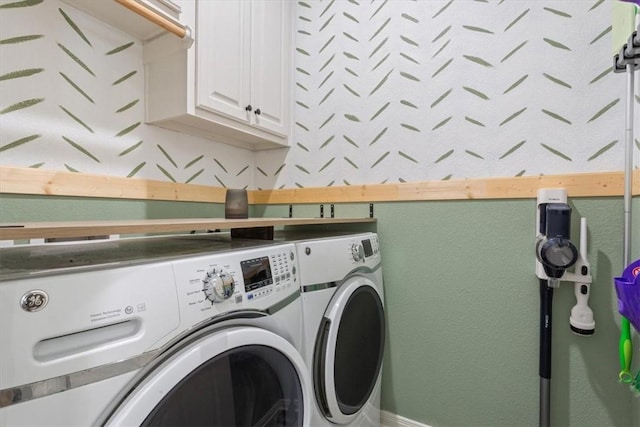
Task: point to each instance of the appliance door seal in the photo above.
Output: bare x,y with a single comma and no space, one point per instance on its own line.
349,350
235,376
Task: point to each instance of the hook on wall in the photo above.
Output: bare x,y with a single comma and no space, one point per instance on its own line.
629,54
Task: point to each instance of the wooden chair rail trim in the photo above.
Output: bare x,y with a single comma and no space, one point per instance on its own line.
14,180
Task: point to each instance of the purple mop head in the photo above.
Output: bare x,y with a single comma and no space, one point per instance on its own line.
628,291
637,2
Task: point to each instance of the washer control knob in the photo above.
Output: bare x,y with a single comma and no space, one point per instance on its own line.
357,252
218,285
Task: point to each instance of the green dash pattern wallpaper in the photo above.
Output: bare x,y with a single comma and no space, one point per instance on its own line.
401,91
384,91
72,99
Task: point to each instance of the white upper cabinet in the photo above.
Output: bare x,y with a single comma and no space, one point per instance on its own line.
233,85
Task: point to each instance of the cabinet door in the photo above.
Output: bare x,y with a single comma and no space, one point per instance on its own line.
222,57
270,64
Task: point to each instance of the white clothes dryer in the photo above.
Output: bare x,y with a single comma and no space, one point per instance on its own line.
343,326
157,331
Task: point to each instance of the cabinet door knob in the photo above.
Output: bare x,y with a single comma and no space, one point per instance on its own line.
258,112
248,108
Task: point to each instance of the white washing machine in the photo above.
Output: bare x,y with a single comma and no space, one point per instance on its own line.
343,326
159,331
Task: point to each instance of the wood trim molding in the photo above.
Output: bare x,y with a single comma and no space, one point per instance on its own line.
60,183
577,185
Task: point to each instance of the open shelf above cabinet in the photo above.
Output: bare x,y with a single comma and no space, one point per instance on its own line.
68,229
143,19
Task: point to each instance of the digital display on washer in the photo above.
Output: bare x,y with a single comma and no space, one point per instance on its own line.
256,273
368,250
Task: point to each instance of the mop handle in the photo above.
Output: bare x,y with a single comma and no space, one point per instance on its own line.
625,350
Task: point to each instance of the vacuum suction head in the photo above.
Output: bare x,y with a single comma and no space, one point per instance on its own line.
556,256
554,249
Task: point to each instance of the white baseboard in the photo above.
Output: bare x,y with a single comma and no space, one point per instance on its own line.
387,419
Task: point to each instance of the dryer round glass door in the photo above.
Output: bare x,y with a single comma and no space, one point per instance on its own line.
349,350
233,377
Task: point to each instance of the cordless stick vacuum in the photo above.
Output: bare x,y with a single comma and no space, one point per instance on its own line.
555,253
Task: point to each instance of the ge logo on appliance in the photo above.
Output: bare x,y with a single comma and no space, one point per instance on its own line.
34,300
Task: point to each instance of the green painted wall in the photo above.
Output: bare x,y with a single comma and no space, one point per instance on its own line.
462,304
23,208
463,318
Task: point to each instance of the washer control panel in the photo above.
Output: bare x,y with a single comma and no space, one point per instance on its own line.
364,248
245,279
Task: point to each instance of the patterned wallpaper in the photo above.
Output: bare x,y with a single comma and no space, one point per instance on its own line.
72,99
385,91
398,90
